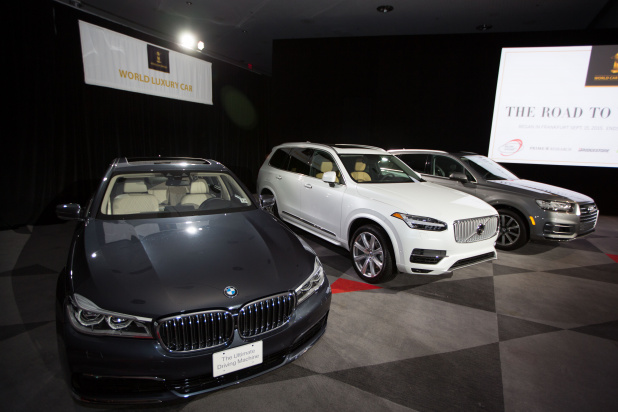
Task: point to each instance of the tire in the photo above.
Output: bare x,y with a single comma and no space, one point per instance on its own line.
513,232
371,255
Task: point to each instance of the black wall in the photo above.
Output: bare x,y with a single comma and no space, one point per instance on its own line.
61,134
432,92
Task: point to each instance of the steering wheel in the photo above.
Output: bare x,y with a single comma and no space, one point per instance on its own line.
213,203
439,171
386,176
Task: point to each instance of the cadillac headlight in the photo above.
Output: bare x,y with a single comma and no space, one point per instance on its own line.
88,318
312,283
555,206
421,222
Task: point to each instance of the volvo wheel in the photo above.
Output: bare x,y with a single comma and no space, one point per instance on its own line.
371,255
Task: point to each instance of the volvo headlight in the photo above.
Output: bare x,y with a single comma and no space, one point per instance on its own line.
556,206
87,317
421,222
312,283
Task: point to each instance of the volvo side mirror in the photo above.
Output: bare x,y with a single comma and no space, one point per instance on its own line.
330,178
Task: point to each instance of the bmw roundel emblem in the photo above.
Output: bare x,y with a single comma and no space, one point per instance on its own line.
230,291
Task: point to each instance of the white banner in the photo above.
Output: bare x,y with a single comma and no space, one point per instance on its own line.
557,106
122,62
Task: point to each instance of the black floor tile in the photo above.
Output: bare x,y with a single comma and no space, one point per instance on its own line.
465,380
507,270
475,293
608,330
602,273
7,332
513,328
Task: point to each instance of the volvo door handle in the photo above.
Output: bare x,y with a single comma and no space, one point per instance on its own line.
308,186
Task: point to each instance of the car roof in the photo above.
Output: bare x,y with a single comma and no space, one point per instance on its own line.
342,148
402,151
457,154
165,163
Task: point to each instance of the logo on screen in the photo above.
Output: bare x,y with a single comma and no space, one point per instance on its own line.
158,59
603,66
511,147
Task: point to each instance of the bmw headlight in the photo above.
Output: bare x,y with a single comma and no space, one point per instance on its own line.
87,317
312,283
555,206
421,222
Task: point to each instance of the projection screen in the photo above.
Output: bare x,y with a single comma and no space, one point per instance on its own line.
557,106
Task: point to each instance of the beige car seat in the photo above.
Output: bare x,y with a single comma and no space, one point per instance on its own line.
135,199
325,167
198,193
359,173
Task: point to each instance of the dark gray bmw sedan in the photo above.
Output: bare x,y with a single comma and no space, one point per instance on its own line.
178,283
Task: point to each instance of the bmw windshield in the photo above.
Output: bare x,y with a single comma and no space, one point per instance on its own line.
172,193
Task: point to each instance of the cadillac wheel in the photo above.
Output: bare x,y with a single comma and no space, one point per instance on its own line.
371,255
513,233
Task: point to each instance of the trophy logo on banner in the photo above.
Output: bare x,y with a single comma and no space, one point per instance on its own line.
158,59
603,66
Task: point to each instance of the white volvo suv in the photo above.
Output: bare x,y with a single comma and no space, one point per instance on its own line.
371,203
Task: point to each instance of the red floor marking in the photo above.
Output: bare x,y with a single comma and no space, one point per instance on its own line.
614,257
344,285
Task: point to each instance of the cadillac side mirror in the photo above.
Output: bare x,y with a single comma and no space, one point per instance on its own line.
460,177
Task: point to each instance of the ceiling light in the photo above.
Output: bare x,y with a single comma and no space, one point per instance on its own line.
187,40
484,27
200,45
385,8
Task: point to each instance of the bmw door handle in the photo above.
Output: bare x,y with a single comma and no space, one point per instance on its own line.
308,186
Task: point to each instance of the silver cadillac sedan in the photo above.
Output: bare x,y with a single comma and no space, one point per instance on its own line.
528,210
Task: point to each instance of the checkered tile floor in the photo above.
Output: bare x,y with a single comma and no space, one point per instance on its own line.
535,330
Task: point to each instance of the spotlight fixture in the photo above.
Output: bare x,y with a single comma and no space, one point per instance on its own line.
187,40
385,8
484,27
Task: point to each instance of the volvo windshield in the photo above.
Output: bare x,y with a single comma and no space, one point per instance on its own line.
374,168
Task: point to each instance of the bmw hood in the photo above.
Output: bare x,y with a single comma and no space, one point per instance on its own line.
158,267
541,190
427,199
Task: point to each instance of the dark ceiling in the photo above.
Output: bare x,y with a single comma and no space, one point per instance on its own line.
242,31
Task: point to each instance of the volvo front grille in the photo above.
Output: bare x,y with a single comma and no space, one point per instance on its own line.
476,229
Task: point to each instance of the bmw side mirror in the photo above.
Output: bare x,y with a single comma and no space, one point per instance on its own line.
69,211
330,178
267,202
460,177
